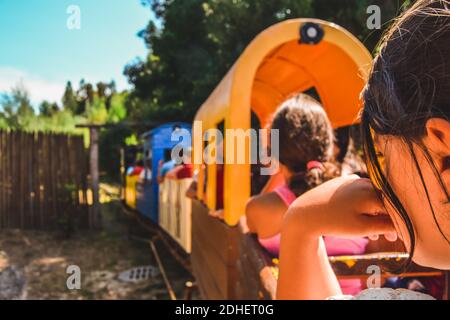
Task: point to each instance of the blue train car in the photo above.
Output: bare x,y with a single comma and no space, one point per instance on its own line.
157,143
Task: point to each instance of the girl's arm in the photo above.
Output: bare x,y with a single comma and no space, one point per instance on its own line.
172,174
191,192
264,214
343,207
305,273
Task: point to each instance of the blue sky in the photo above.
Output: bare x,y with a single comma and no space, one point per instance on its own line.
38,50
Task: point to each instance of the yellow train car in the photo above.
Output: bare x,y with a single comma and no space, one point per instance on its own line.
290,57
300,55
130,190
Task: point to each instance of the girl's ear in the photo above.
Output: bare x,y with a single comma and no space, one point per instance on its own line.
438,142
438,135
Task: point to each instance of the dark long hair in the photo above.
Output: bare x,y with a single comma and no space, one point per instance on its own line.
305,135
409,84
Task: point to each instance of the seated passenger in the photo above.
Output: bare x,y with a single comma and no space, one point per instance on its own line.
129,170
185,169
165,166
136,169
220,170
305,154
145,175
191,192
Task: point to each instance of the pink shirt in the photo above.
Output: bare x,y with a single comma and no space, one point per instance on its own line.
335,246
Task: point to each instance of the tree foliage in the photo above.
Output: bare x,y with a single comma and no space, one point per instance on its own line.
17,111
69,100
97,104
198,41
179,70
83,106
191,45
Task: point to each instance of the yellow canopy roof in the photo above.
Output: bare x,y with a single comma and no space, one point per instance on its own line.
275,65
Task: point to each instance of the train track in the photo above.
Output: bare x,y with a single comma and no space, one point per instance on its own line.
172,247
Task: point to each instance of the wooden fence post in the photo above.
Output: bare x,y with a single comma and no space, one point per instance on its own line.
94,172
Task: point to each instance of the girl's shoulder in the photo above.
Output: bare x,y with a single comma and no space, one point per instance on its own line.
267,200
385,294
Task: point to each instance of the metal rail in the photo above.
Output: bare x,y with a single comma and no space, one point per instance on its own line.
163,271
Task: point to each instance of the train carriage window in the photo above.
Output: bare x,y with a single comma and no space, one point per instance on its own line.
220,168
257,180
205,172
348,150
165,165
167,155
312,92
342,140
148,160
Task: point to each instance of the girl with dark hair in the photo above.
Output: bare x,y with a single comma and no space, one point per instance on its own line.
305,161
406,138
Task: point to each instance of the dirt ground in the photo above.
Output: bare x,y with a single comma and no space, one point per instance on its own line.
43,257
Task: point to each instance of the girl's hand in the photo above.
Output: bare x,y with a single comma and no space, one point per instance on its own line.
343,207
219,214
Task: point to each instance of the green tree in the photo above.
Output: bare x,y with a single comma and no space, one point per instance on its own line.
101,89
115,104
352,15
69,100
3,121
179,70
47,109
96,112
201,39
85,97
232,25
18,112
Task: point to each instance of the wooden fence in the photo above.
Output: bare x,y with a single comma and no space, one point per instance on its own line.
43,181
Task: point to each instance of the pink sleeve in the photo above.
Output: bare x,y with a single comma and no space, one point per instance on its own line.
285,194
342,246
